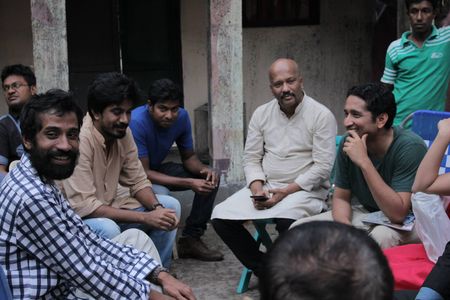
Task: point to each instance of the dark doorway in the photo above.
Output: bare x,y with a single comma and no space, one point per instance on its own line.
140,38
385,31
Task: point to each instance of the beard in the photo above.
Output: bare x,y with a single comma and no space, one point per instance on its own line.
42,162
115,134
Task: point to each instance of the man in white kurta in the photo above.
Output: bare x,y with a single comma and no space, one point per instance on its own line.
288,157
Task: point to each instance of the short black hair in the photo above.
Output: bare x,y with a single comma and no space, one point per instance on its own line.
379,99
325,260
19,70
111,88
55,102
164,89
434,3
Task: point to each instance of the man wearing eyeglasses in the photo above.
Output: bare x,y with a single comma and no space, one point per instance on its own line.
18,84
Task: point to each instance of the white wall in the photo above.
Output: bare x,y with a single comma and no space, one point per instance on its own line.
194,26
332,56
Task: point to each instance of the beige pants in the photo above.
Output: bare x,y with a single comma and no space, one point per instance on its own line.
385,236
139,240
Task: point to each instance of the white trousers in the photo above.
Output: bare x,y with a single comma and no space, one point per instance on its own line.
139,240
385,236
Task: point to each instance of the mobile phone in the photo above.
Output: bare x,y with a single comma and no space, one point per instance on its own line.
261,198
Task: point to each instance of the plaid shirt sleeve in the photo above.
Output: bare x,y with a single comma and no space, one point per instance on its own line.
50,231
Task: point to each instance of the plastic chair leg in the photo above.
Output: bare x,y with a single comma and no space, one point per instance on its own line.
244,281
247,273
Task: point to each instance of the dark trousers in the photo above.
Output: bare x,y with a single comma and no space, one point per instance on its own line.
241,242
405,295
202,205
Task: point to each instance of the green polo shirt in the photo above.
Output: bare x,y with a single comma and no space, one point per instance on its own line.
398,167
420,75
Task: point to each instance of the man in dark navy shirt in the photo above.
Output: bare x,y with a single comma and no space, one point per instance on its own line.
18,84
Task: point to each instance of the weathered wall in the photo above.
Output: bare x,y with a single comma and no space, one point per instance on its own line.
333,55
15,34
194,26
225,88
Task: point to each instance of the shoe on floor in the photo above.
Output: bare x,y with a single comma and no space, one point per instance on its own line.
190,247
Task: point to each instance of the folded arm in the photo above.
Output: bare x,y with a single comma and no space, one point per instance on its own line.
428,179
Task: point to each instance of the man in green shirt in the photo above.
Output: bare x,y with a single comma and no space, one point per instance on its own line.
375,166
418,64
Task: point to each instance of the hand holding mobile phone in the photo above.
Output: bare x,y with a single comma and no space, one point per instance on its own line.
261,198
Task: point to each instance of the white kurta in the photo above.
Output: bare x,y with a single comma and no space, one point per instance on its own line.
281,150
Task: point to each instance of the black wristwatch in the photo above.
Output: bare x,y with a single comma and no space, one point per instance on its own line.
153,276
156,205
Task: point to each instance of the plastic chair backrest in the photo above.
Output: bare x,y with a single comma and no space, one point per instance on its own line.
424,123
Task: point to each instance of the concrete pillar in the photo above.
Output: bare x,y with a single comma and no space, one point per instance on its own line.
225,88
48,23
402,18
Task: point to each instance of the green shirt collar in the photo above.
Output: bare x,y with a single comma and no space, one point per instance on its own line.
405,40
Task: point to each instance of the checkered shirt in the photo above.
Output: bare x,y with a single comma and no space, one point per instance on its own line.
48,252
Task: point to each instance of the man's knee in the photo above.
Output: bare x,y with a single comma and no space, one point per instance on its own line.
138,240
222,225
160,189
170,202
326,216
104,227
385,236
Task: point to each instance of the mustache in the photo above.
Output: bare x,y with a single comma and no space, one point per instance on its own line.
287,94
121,125
72,154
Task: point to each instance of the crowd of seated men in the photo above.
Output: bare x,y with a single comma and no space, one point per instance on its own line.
86,211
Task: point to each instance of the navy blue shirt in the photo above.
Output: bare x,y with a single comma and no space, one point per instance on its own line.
11,140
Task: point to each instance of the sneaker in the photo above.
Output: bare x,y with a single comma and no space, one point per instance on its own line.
190,247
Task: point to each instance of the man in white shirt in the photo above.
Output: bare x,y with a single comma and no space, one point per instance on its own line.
288,157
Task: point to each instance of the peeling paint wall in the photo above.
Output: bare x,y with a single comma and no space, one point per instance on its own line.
15,34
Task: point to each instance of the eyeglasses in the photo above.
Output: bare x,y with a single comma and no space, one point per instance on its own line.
15,86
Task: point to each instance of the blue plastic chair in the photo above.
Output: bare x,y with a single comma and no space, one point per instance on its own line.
5,290
424,124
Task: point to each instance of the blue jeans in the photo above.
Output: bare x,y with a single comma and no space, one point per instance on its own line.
163,240
202,205
426,293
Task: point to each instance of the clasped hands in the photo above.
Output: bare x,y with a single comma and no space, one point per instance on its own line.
162,218
207,185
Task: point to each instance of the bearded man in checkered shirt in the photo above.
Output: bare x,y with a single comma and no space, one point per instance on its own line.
46,250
